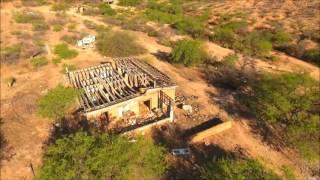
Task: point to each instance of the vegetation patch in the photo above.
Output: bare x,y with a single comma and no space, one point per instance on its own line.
288,102
57,102
10,54
57,28
35,18
102,156
39,61
117,44
130,2
63,51
106,10
187,52
228,168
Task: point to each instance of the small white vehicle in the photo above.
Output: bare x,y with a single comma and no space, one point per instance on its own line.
181,151
87,41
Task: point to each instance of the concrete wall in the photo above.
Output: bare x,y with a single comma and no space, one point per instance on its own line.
133,104
211,131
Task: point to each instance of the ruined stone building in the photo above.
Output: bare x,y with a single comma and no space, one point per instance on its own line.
125,93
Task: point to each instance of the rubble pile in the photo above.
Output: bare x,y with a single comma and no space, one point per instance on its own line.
191,107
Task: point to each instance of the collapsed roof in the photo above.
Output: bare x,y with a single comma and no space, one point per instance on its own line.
114,82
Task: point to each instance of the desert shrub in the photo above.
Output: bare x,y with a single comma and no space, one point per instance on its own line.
70,39
63,51
90,24
190,25
10,54
26,3
224,35
254,44
163,17
187,52
102,156
92,11
117,44
40,26
288,173
68,67
39,61
289,102
312,55
227,33
280,37
164,12
35,18
230,60
72,27
61,6
56,61
230,169
27,16
106,9
227,77
57,28
57,102
130,2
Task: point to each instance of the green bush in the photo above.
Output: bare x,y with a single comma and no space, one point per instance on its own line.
130,2
118,44
288,101
187,52
280,37
190,25
163,17
230,60
57,102
102,156
63,51
164,12
254,44
230,169
106,10
313,55
224,35
39,61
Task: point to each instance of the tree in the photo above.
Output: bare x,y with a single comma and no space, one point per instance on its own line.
57,102
102,156
106,9
240,169
187,52
118,44
289,102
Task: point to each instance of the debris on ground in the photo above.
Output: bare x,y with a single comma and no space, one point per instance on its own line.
187,108
181,151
